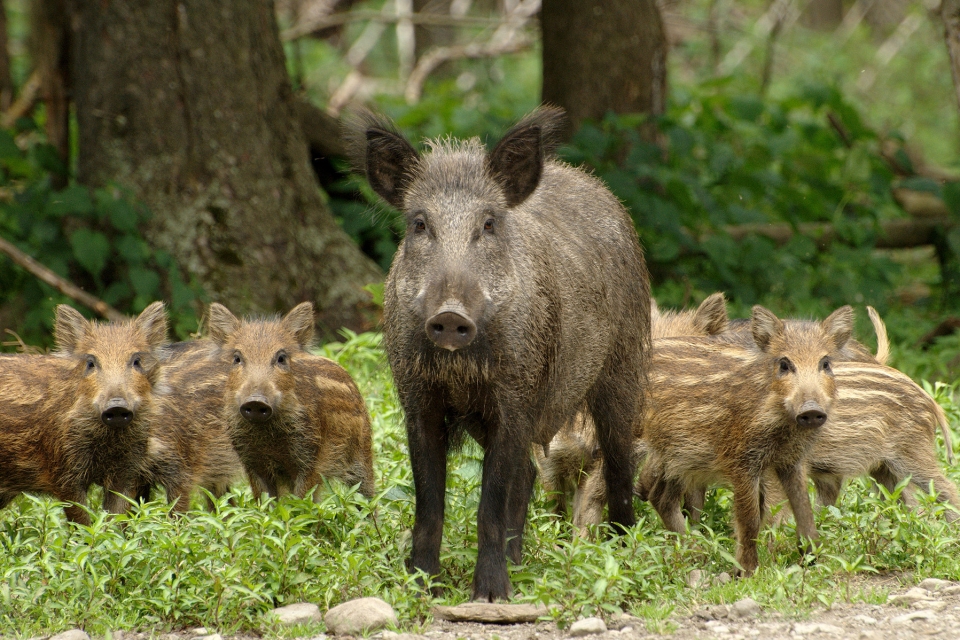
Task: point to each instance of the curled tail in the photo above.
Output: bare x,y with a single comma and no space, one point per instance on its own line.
883,343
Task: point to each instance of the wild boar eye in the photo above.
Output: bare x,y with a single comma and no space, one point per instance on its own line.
488,225
419,226
825,366
236,358
91,364
137,363
785,366
282,359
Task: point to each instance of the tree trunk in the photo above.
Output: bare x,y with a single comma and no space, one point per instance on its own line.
6,80
950,12
823,15
603,55
49,50
189,104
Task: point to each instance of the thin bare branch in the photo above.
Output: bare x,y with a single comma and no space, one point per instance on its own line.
337,19
63,286
25,101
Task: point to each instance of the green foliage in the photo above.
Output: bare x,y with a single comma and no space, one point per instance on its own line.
719,158
223,569
91,237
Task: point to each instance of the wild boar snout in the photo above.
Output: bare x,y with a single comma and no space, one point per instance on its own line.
117,413
451,327
811,415
256,408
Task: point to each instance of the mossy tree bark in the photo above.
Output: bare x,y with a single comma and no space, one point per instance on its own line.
188,103
603,55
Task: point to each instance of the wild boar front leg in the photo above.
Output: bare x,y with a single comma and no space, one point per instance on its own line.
427,441
793,479
746,514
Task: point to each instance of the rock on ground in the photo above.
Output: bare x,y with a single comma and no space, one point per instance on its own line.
299,613
360,616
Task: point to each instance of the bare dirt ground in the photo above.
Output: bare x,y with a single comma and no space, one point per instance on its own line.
930,610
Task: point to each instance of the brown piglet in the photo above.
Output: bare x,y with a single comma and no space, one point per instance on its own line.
724,412
294,418
80,416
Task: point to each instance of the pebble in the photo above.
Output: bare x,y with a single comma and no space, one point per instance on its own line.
72,634
745,608
718,627
199,631
935,584
587,627
802,629
862,619
212,636
913,595
723,578
697,579
923,614
297,613
359,617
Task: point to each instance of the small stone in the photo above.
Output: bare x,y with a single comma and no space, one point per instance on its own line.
723,578
913,595
924,614
862,619
626,630
933,605
869,634
199,631
73,634
587,627
950,591
745,608
360,616
935,584
212,636
802,629
697,579
490,613
624,620
297,613
718,627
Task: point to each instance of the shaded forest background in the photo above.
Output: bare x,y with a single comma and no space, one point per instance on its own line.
799,154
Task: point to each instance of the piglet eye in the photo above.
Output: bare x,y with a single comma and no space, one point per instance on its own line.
784,366
137,363
237,359
419,226
488,225
91,363
825,366
282,359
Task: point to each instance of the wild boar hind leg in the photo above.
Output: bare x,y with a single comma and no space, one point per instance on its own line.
427,439
746,514
518,500
615,407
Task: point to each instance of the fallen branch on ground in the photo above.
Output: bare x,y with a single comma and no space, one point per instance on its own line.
63,286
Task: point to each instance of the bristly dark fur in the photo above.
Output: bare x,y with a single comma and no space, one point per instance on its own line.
542,265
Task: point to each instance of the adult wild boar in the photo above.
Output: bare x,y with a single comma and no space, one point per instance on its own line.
518,296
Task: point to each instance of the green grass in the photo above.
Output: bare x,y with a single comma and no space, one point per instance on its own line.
224,569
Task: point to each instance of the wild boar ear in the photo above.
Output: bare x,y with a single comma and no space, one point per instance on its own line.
839,326
377,149
221,323
764,326
300,322
152,321
711,315
69,328
516,162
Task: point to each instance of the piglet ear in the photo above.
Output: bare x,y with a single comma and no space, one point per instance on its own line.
221,323
839,326
300,322
152,321
517,161
69,328
711,316
765,326
378,149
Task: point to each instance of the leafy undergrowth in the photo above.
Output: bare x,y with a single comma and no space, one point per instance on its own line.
223,569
